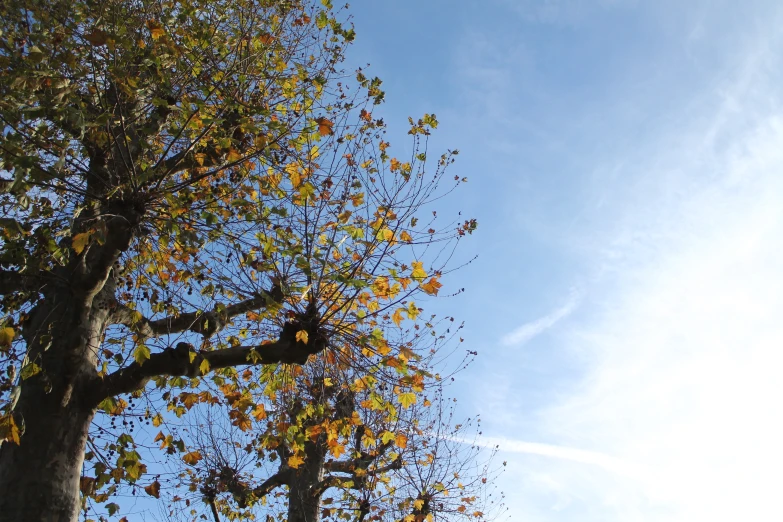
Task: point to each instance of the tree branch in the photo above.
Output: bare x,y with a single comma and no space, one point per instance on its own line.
181,360
97,260
351,467
280,478
204,323
215,515
12,281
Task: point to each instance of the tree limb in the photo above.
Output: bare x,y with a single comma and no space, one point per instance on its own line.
204,323
179,361
215,515
280,478
12,281
351,467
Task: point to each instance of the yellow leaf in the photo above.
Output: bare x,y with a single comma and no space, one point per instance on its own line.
384,349
342,217
432,286
6,336
79,241
412,311
404,236
233,155
337,450
418,504
401,441
380,286
204,367
156,31
397,316
406,399
418,271
9,431
157,420
192,458
357,199
302,336
295,461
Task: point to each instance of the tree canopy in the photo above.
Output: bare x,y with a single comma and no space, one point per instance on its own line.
197,199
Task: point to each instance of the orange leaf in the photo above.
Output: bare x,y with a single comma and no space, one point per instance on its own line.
432,286
192,458
153,489
325,127
302,336
401,441
259,412
397,316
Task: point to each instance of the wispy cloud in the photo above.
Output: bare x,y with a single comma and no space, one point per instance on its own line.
682,340
530,330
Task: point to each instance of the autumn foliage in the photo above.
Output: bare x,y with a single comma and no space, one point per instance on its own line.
200,210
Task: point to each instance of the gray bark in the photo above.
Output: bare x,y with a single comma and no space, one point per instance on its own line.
39,478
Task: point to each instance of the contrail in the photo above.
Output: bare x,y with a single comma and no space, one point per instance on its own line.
529,330
594,458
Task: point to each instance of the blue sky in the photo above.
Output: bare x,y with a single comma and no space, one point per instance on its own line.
626,169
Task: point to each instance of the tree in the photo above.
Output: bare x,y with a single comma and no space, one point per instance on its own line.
188,187
332,450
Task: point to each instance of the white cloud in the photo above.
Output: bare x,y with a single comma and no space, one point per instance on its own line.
530,330
680,328
684,341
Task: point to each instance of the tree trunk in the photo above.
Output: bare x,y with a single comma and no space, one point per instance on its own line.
39,478
304,496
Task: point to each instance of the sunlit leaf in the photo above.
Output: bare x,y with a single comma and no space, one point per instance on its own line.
192,457
294,461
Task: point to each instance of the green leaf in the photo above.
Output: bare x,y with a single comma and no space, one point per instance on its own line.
321,20
141,353
29,370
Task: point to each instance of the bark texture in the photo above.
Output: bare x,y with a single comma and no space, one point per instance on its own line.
39,478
